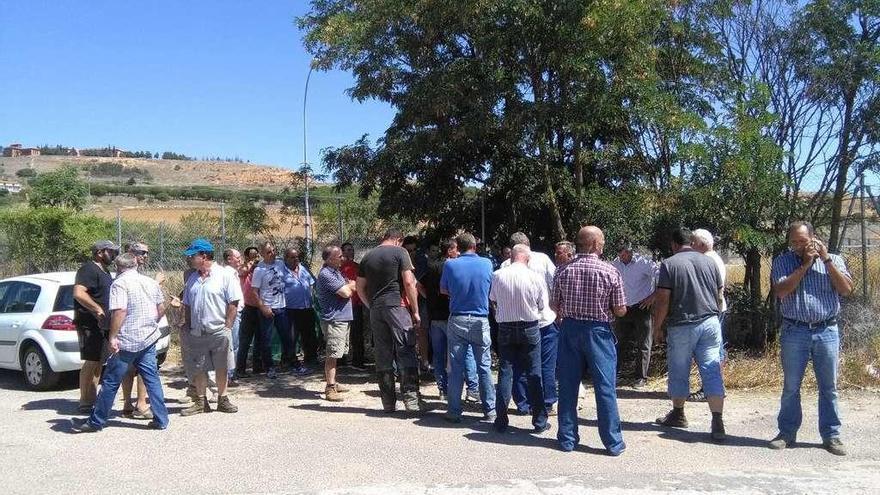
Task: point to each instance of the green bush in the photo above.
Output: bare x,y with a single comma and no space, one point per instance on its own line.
26,172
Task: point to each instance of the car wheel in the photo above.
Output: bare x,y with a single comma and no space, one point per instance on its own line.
161,358
38,375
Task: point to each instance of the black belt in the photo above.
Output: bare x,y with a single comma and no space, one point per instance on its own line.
813,325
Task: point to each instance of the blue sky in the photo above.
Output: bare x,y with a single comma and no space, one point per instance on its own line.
219,78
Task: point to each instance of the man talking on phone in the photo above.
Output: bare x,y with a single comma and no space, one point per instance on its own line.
808,281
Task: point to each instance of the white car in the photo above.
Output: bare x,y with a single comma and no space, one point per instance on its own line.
37,334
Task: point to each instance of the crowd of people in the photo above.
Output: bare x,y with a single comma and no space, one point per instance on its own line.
551,323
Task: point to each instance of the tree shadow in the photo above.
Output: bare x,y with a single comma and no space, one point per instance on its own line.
337,407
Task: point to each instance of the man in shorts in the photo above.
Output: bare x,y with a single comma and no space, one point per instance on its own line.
334,296
210,307
91,295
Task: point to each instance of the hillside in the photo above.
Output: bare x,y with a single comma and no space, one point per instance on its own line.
166,172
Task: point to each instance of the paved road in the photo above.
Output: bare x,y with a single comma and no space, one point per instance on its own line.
286,439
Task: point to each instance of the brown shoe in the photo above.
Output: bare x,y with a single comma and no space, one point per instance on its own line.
199,405
342,389
332,394
223,405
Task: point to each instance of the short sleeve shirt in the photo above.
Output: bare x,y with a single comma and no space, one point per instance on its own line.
694,282
139,296
270,278
467,279
588,288
208,297
97,282
298,287
814,299
438,304
383,268
333,306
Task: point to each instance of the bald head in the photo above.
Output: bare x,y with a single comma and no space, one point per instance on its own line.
590,240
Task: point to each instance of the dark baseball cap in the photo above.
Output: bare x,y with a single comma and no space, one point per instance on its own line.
102,245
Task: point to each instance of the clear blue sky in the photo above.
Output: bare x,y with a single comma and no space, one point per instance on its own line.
199,77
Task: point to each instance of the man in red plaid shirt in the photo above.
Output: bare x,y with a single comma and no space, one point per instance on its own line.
587,294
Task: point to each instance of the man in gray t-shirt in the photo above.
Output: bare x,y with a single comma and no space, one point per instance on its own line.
688,294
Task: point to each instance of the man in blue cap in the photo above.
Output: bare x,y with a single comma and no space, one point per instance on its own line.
210,302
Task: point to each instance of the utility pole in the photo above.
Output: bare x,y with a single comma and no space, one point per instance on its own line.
864,238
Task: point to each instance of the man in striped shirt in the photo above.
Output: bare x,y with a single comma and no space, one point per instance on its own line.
809,281
519,295
587,294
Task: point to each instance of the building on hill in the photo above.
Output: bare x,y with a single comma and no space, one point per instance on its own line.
13,187
16,149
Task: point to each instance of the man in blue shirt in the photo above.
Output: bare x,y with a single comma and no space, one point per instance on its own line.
298,285
467,280
808,281
334,297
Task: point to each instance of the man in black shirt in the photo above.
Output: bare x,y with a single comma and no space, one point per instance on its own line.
91,295
385,275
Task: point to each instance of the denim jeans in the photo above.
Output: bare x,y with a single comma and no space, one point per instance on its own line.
463,332
702,343
588,346
117,365
519,345
549,357
282,326
236,330
439,351
800,344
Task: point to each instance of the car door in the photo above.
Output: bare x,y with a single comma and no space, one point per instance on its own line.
7,340
18,304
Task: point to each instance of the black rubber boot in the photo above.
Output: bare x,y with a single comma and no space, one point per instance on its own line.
387,390
409,389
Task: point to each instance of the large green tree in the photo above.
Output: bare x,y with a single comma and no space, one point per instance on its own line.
60,188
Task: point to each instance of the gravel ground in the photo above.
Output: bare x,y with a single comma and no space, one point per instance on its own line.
287,439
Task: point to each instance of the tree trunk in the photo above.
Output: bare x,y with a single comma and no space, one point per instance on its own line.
757,325
844,160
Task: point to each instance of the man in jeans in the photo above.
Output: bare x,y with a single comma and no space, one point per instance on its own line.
809,281
136,304
300,315
249,326
689,295
438,309
519,295
386,273
467,280
587,294
268,286
633,330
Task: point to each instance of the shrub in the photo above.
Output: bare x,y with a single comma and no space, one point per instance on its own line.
26,172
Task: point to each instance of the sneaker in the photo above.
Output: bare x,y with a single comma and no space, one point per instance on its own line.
718,434
138,414
223,405
551,410
674,419
618,452
331,393
272,374
780,443
78,425
697,396
300,370
417,406
834,445
154,425
640,384
472,396
200,405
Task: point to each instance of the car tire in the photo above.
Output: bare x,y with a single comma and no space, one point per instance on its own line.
161,358
38,375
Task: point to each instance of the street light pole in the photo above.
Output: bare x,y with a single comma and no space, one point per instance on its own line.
306,170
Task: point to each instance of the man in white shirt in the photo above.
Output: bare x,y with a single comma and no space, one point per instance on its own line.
210,307
519,295
136,306
542,265
634,328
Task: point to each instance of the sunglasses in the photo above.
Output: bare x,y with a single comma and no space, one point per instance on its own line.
140,253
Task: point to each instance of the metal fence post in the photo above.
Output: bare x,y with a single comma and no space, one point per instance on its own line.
222,227
339,219
864,239
119,227
162,244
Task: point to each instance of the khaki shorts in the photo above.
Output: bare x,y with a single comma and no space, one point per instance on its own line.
335,337
208,352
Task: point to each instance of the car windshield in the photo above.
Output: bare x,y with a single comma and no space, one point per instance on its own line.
64,299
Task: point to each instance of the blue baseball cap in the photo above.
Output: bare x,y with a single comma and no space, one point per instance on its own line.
199,246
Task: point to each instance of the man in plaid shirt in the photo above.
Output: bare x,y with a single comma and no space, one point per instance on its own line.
587,294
